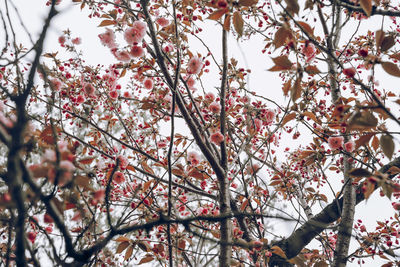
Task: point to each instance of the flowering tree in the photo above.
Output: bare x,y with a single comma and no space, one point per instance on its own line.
166,157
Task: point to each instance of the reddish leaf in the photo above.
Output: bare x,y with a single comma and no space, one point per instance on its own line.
292,6
363,140
278,251
295,91
146,259
288,118
286,87
306,27
146,167
379,35
128,253
283,61
122,239
387,43
359,172
375,143
312,70
247,2
122,246
281,35
227,23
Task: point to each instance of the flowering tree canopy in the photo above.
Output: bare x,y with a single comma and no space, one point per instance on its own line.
168,157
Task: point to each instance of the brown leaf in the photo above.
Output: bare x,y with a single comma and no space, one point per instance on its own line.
387,43
387,145
292,6
286,87
359,172
281,35
216,15
288,118
391,68
247,2
283,61
366,6
128,253
362,121
146,259
278,251
122,246
375,143
363,140
122,239
379,35
107,22
86,161
227,23
321,264
312,70
393,170
369,190
312,116
295,91
306,27
83,181
238,23
395,56
146,167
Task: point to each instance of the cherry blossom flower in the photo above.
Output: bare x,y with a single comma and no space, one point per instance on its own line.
168,48
122,56
123,161
209,96
215,107
76,41
349,72
217,138
61,40
193,158
136,51
335,142
148,83
163,22
136,33
309,51
108,38
349,146
88,89
80,99
195,65
113,94
270,116
119,177
190,82
55,84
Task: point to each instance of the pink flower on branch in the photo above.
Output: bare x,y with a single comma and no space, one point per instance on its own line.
195,65
136,51
136,33
217,138
349,146
108,39
335,142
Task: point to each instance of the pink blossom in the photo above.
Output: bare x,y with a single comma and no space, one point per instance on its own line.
163,22
61,40
99,195
148,83
113,94
309,51
168,48
136,51
119,177
195,65
67,165
396,206
349,146
210,97
122,56
190,82
217,138
62,146
77,41
270,116
123,161
215,107
49,155
108,38
55,84
193,158
80,99
335,142
88,89
127,94
253,168
136,33
258,123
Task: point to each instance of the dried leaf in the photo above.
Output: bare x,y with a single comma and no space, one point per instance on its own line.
295,91
283,62
359,172
86,161
395,56
393,170
321,264
238,23
312,116
375,143
387,145
391,68
146,167
216,15
369,190
122,246
288,118
362,121
363,140
366,6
